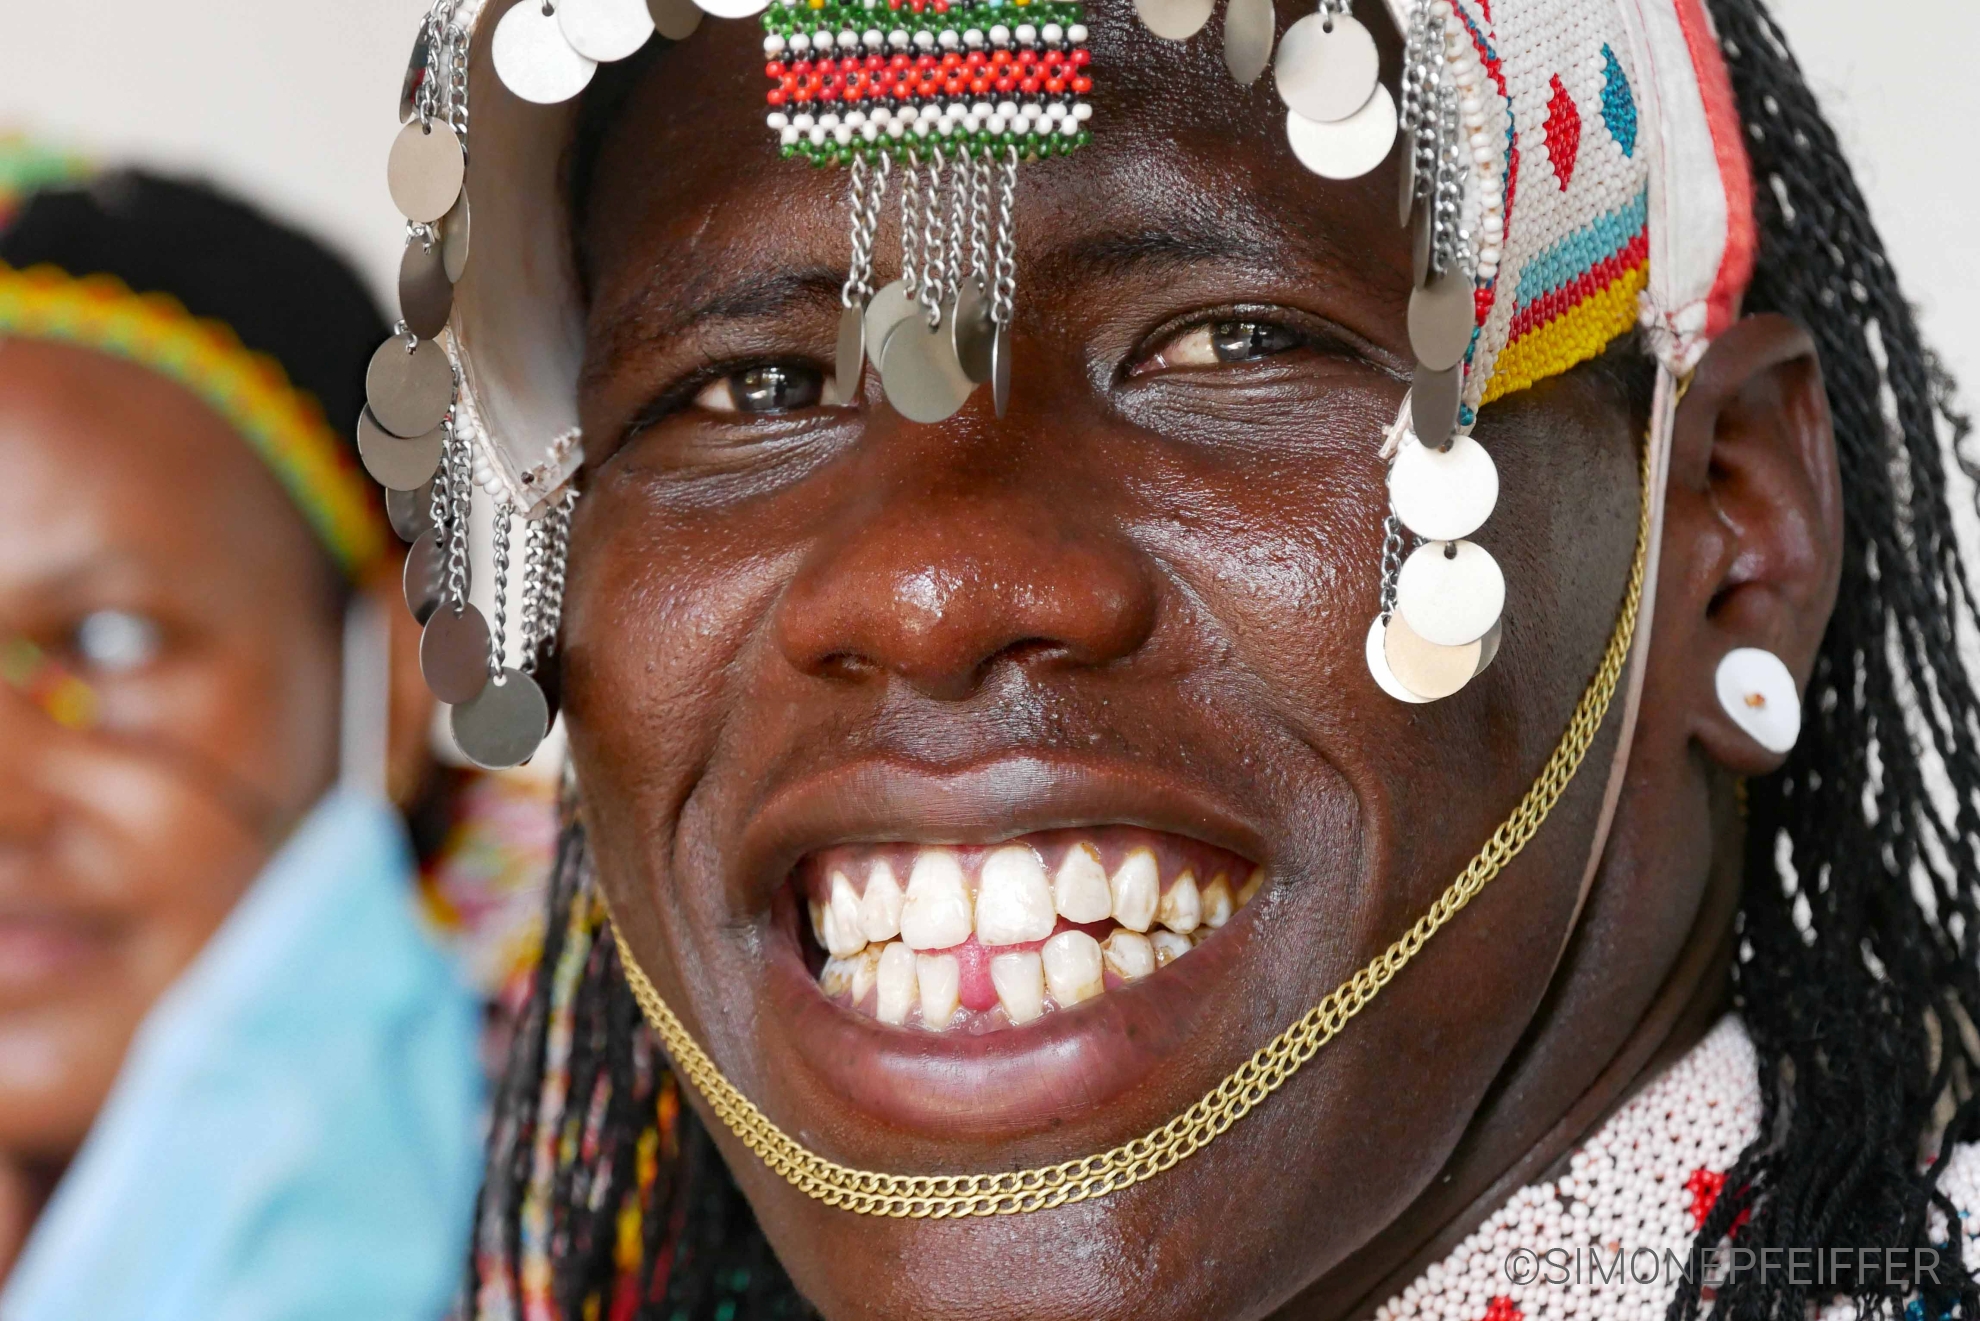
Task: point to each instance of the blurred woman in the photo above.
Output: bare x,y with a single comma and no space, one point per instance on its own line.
236,1078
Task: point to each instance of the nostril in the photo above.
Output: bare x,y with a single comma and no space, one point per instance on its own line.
847,665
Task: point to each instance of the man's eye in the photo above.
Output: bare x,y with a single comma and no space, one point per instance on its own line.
1226,342
116,641
760,391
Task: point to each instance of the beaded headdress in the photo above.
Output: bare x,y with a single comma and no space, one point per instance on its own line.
1571,170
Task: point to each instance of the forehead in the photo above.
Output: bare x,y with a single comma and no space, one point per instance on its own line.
684,183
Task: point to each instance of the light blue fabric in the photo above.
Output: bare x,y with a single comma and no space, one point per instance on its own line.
296,1132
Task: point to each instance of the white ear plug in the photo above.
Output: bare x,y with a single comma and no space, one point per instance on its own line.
1759,694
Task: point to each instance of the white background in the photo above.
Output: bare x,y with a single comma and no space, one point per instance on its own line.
291,102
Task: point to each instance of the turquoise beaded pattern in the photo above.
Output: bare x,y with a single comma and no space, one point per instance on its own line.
974,78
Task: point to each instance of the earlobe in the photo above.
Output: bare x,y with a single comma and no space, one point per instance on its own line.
1752,539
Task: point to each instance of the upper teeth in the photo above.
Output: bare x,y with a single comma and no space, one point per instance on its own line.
1013,899
1080,889
937,912
1137,891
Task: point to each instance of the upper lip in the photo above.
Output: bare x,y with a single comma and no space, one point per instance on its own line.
983,802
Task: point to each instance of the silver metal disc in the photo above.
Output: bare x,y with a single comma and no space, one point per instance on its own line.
426,295
971,331
919,371
410,512
1000,369
416,75
1406,187
425,579
1419,249
1488,646
1433,404
453,654
605,30
1249,26
734,8
850,363
409,393
426,170
1375,652
1350,148
505,724
455,233
1324,75
1443,496
675,20
1451,593
533,58
1424,668
1175,20
1442,316
889,308
398,464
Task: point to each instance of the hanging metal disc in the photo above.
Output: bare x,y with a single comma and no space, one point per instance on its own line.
1488,646
455,231
889,308
1442,316
416,75
1419,249
1174,20
605,30
734,8
1350,148
850,362
426,170
398,464
410,512
971,331
1249,26
534,59
425,579
1433,404
1451,593
919,371
453,654
409,392
675,20
426,295
504,724
1327,68
1406,187
1443,495
1000,370
1374,651
1424,668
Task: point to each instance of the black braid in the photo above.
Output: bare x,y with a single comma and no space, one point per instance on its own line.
1860,998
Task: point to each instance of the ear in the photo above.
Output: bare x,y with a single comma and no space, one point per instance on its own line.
408,759
1753,532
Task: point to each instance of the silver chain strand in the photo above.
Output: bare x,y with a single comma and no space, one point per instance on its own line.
960,178
535,543
979,220
460,490
550,608
438,507
853,294
910,192
876,198
1392,561
1004,292
931,241
498,635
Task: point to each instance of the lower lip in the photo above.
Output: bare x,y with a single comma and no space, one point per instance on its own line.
35,952
995,1086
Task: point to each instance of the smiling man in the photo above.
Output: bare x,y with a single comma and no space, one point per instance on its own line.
1168,802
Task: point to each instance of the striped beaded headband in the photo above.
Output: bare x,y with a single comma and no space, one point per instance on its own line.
250,390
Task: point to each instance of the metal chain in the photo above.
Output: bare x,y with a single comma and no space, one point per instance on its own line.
440,506
535,545
853,294
457,67
1003,293
1392,560
874,201
979,219
550,607
498,635
1016,1192
960,177
910,203
460,491
930,245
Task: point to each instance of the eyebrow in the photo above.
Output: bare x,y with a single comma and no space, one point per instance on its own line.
661,310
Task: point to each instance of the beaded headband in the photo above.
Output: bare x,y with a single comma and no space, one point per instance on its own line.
250,390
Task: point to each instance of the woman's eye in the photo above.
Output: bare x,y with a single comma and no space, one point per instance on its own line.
116,641
760,391
1226,342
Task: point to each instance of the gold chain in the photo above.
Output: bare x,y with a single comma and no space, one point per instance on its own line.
940,1196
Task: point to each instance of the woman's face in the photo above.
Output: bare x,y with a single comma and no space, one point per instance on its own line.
1121,628
144,547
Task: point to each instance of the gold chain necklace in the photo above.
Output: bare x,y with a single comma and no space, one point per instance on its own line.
941,1196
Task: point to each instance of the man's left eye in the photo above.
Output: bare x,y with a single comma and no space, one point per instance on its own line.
1226,342
764,390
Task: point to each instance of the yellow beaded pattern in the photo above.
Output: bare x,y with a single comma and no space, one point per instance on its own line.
1015,1192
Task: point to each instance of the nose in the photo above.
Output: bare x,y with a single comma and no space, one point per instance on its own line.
942,582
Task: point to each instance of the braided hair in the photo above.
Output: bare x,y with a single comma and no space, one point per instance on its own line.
1856,978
